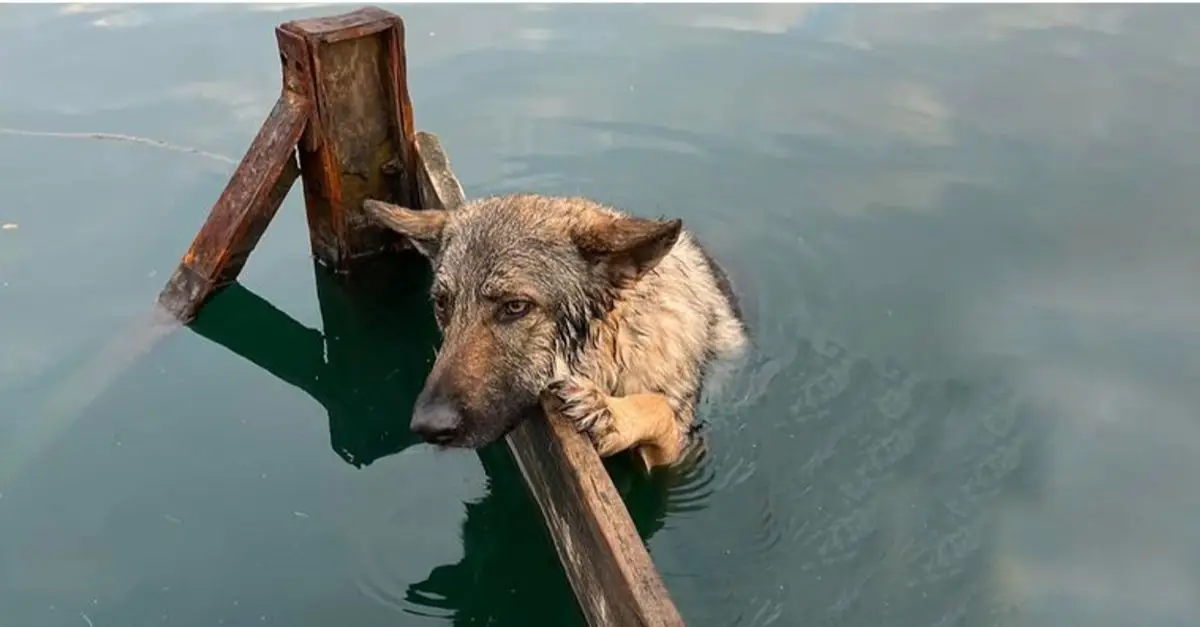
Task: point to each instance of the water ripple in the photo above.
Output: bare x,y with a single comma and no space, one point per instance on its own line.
382,566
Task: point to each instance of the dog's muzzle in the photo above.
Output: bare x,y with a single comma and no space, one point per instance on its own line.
435,418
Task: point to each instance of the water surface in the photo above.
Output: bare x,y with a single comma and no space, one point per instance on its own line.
966,237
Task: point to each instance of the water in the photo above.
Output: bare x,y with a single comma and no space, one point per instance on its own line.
967,238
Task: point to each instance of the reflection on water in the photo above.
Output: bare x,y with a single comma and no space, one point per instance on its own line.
966,237
365,366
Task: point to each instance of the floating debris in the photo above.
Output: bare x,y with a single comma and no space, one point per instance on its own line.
8,226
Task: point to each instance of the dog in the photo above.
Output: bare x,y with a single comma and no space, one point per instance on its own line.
567,305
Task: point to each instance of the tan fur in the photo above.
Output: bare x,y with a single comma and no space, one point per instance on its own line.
642,422
648,350
477,354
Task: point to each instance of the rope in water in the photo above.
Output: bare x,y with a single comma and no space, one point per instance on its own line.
133,139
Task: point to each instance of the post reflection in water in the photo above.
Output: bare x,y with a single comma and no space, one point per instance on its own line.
365,368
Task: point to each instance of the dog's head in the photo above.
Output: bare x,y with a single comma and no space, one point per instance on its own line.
517,281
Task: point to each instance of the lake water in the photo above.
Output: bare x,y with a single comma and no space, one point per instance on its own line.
969,239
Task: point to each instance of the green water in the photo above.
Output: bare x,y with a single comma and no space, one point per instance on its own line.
968,239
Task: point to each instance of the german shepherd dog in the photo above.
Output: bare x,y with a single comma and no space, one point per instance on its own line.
609,320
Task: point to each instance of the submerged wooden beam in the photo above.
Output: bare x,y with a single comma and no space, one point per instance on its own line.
607,563
437,185
359,141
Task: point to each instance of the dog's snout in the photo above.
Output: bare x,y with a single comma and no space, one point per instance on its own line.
437,421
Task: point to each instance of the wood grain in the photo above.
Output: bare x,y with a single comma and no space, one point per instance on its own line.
360,142
241,214
437,186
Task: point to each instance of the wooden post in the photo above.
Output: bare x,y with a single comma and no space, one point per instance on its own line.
359,140
345,109
345,106
610,569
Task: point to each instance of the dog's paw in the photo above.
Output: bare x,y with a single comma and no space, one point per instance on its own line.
581,403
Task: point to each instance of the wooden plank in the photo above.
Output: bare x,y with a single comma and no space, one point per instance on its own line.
437,186
360,143
609,568
241,214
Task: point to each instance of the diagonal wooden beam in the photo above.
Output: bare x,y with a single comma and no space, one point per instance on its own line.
242,212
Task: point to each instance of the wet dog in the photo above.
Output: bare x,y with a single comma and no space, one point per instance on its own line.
607,319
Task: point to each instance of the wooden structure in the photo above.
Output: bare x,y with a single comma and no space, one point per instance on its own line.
343,124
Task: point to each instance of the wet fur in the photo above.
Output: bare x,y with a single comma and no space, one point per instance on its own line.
628,314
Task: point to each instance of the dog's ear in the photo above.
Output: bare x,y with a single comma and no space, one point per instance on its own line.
422,227
626,247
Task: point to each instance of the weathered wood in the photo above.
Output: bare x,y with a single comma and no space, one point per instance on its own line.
345,95
360,141
437,185
609,568
242,212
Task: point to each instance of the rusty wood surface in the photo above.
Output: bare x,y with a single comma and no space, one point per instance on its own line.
360,142
241,213
610,570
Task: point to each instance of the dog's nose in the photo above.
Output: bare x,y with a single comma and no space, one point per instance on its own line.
437,422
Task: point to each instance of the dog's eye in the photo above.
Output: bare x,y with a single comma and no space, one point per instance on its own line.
513,309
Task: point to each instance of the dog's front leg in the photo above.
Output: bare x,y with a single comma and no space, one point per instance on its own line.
618,423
